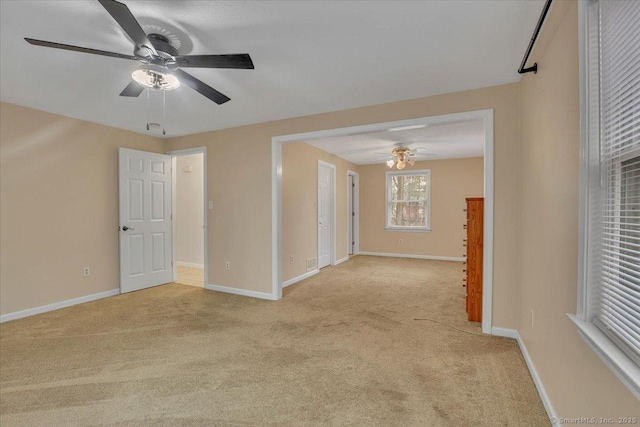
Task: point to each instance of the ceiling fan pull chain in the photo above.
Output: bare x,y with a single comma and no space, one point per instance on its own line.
147,109
164,111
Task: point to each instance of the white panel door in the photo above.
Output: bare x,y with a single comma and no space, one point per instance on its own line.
325,199
145,219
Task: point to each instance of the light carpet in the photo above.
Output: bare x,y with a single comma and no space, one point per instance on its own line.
340,349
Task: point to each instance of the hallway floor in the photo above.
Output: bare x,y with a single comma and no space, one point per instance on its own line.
190,276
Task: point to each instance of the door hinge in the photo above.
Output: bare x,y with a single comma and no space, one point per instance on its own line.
353,184
353,214
171,263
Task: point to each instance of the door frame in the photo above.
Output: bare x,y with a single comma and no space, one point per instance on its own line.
276,194
355,233
332,215
174,154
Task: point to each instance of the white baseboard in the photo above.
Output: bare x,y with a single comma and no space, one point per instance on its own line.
433,257
299,278
512,333
504,332
238,291
190,264
57,305
341,260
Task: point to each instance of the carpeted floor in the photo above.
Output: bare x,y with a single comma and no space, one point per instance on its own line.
340,349
190,276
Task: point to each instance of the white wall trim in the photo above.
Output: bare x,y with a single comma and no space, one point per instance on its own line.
627,371
174,209
487,263
276,193
205,204
300,277
190,264
57,305
356,211
341,260
276,220
238,291
432,257
504,332
512,333
546,401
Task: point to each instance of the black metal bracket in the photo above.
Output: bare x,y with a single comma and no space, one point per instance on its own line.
534,68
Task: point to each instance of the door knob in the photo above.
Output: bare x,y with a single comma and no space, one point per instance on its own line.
125,228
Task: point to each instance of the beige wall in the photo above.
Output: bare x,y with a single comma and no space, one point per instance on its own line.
577,381
451,181
240,222
189,209
299,212
59,210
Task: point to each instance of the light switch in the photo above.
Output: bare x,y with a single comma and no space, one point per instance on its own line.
210,204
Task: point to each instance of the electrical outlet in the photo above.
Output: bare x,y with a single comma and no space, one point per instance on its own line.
291,259
86,271
227,265
532,317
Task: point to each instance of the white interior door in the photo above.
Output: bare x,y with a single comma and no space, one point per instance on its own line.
325,208
145,219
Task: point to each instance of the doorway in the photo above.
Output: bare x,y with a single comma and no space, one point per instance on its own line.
189,217
326,213
276,193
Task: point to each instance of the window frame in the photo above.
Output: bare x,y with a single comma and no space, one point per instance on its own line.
622,365
412,228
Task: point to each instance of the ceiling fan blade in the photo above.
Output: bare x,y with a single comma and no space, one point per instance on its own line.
201,87
123,16
78,49
133,89
237,61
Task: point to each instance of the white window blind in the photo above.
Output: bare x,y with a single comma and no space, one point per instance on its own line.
614,224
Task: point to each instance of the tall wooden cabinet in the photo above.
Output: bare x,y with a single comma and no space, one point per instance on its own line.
473,264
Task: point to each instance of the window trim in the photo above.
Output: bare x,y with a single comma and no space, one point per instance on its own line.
387,199
613,356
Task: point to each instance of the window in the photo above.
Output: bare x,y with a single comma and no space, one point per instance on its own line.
408,204
609,277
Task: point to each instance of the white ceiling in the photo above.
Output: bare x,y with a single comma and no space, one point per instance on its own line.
310,56
436,142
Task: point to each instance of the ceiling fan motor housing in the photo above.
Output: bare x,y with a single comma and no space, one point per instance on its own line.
162,45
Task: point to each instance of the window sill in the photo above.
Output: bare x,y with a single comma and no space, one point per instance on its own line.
622,366
411,230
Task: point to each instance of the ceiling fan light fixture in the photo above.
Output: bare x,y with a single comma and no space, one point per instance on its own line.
156,77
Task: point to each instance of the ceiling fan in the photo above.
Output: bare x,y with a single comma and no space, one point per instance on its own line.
401,156
162,64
